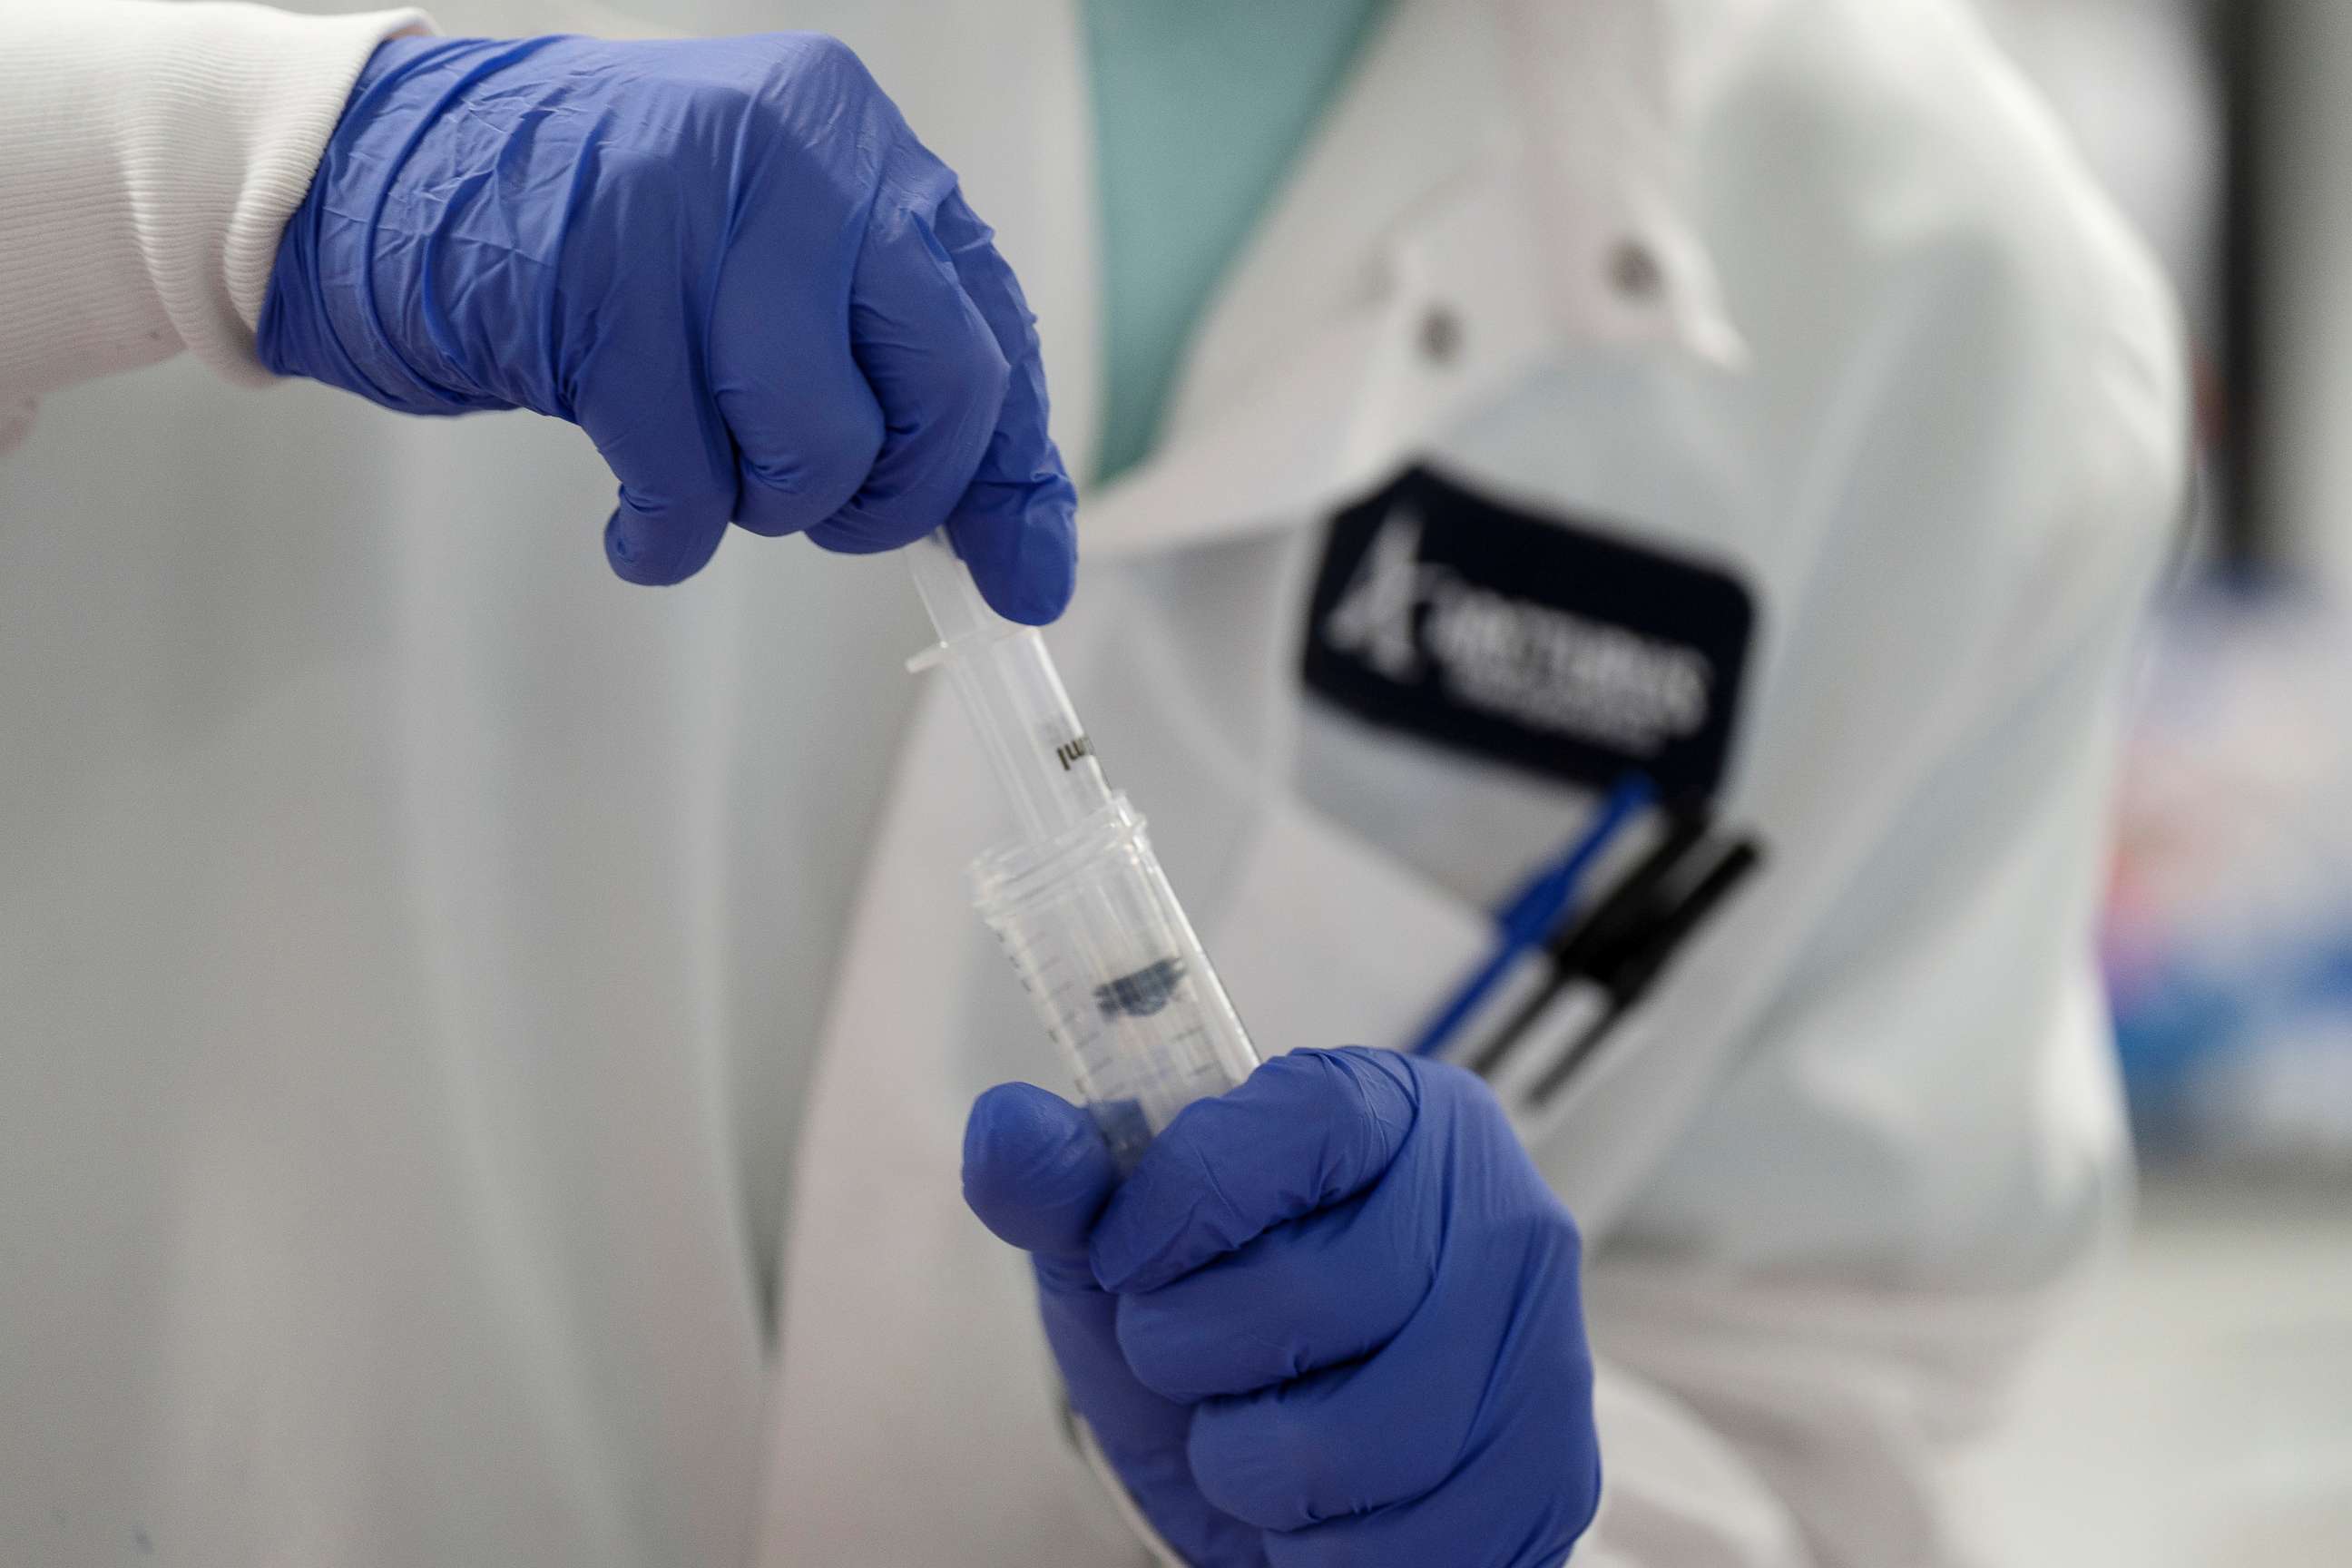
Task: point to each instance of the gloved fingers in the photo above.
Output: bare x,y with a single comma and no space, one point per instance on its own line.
798,485
1307,1130
932,361
1495,1356
1332,1287
1162,1484
1141,1433
655,540
1355,1438
806,425
670,448
1490,1514
1036,1171
1287,1457
1021,542
1016,525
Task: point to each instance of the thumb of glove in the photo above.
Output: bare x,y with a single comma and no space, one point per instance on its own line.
1037,1173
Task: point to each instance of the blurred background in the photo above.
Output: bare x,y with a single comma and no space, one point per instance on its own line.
2200,1412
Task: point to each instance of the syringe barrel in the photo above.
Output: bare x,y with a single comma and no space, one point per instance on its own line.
1005,680
1036,747
1116,972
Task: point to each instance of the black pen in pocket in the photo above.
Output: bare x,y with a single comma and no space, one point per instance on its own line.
1579,947
1632,977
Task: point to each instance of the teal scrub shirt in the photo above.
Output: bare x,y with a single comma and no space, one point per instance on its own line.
1200,107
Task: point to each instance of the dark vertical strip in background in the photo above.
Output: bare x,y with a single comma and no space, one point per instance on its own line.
2245,35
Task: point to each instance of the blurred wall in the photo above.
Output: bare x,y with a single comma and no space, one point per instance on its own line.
2302,77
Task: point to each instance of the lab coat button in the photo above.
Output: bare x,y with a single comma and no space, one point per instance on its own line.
1634,271
1440,335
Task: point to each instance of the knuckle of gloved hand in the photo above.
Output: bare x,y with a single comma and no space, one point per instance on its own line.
1461,1086
834,446
1371,1100
1181,1353
708,109
1473,1112
1554,1268
1567,1236
969,379
820,66
1159,1348
987,374
1531,1234
1266,1460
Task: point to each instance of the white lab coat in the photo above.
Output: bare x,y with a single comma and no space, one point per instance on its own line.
1839,1164
414,944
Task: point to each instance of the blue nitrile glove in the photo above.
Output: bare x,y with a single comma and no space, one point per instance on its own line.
1332,1317
728,260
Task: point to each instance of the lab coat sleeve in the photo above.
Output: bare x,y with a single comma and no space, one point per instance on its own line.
1910,1164
1778,1391
150,155
1862,1152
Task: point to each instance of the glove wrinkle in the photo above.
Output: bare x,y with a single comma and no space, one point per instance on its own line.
551,224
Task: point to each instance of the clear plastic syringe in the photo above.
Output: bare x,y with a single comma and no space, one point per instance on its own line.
1079,902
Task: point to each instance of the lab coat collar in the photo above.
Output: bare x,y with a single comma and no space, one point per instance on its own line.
1501,183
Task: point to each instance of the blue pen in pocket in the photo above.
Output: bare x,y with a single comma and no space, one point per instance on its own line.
1527,919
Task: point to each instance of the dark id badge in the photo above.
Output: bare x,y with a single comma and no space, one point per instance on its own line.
1530,638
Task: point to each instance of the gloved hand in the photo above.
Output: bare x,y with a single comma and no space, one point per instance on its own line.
1331,1319
728,260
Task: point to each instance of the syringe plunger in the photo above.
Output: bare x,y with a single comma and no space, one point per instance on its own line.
1083,910
1005,680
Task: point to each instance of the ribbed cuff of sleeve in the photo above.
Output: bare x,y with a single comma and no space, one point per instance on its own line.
150,155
